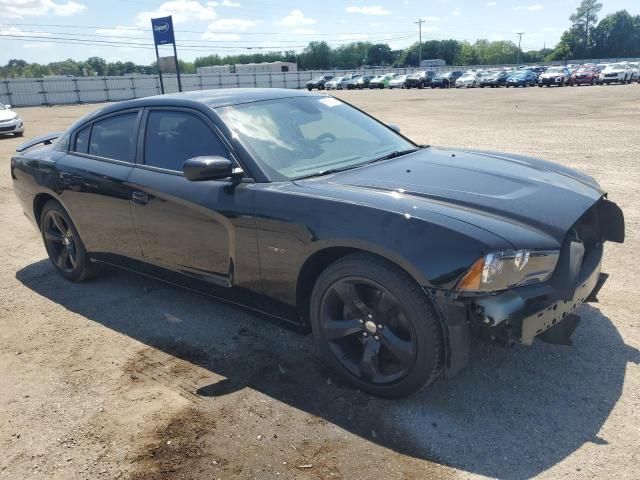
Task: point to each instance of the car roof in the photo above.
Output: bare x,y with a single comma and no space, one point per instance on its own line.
221,97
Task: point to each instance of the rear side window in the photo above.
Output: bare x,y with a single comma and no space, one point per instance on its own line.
173,137
114,137
82,140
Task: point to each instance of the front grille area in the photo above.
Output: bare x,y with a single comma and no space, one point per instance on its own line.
7,129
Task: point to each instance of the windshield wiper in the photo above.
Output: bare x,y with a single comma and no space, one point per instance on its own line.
395,154
327,172
388,156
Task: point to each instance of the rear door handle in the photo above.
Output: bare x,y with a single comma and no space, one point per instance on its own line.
140,197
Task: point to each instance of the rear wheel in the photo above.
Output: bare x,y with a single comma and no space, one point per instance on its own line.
375,326
19,134
63,244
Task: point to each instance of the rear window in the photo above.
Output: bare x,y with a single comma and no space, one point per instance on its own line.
114,137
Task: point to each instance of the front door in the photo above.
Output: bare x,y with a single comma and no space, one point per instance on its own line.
195,228
93,180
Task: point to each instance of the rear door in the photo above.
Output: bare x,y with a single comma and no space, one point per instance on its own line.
92,178
195,228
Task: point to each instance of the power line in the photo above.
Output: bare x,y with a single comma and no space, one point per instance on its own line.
102,27
125,44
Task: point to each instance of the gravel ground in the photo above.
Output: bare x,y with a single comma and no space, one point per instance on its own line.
125,377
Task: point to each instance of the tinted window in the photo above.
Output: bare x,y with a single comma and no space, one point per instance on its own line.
82,140
114,137
173,137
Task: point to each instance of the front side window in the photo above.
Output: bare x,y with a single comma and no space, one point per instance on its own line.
82,140
173,137
303,136
114,137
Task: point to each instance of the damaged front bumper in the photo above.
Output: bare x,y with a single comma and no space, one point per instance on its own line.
525,313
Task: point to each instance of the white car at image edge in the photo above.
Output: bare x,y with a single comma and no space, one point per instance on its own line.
10,122
397,82
334,84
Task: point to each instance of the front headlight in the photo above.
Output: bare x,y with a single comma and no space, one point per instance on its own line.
508,269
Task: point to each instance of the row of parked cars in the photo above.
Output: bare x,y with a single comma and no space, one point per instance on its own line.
525,76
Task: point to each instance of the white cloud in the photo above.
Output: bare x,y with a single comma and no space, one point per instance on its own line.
181,10
25,8
303,31
38,45
431,19
229,3
17,32
241,24
117,32
352,37
220,36
295,19
491,4
374,24
530,8
456,12
372,10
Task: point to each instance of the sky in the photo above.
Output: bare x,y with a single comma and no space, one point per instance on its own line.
51,30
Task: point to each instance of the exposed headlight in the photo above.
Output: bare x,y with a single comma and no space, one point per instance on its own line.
508,269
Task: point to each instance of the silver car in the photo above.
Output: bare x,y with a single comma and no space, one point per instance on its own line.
10,122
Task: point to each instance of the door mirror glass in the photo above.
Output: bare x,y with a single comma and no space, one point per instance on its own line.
209,168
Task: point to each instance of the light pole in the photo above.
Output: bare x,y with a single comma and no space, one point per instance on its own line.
419,23
519,41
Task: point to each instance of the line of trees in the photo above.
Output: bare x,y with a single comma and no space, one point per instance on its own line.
616,36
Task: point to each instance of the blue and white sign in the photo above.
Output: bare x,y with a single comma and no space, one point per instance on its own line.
162,30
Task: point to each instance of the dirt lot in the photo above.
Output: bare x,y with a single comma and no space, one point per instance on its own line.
124,377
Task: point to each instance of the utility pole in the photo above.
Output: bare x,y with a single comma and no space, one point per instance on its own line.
519,41
419,23
587,31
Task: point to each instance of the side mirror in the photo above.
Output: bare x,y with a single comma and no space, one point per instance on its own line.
394,127
198,169
8,106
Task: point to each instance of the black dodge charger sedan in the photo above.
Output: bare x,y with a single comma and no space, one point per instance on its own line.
302,207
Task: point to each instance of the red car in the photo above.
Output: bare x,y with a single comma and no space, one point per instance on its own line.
585,75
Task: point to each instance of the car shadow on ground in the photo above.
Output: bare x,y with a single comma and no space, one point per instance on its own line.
510,414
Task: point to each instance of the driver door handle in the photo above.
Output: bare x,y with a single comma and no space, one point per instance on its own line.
140,198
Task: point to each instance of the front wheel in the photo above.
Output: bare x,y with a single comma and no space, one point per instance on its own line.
376,327
63,244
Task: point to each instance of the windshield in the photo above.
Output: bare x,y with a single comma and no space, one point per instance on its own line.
555,70
297,137
468,75
615,66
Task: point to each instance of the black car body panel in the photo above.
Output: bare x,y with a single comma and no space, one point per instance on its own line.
258,242
494,80
446,80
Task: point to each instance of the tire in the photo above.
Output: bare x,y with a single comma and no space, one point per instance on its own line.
309,88
18,134
404,334
64,245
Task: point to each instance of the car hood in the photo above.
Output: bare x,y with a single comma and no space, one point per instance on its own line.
7,115
520,199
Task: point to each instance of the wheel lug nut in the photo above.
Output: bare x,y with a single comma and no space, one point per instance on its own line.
361,321
376,337
379,326
365,334
369,316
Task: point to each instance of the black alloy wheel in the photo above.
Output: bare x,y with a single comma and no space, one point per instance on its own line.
63,244
375,326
